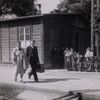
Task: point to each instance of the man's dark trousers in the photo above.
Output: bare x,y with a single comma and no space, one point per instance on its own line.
33,70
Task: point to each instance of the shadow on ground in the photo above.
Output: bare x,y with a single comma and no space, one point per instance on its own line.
52,80
81,95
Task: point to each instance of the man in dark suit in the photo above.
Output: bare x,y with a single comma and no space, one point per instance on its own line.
32,54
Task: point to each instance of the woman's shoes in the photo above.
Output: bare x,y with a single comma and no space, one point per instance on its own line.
21,81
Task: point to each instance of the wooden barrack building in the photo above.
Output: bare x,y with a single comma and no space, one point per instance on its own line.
49,31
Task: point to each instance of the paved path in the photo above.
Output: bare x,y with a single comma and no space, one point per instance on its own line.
58,81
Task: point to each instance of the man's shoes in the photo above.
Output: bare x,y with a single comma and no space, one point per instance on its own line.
21,81
36,81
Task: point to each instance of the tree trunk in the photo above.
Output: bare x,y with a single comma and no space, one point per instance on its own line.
92,23
98,5
97,38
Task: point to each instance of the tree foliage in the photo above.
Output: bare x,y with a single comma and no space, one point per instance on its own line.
96,22
74,6
18,7
84,10
64,4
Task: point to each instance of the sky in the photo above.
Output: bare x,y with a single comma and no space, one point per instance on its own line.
48,5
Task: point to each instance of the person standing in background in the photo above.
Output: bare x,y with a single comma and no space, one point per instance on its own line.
88,56
67,59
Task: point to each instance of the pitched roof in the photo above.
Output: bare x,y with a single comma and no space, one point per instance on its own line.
35,16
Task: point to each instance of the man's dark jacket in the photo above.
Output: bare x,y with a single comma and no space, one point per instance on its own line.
32,54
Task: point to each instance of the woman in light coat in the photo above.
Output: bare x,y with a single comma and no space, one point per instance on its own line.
18,56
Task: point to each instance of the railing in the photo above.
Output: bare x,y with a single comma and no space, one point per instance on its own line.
88,64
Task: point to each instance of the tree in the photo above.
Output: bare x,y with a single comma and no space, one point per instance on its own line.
97,22
19,7
82,7
64,4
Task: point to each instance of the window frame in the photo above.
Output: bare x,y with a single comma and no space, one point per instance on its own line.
24,33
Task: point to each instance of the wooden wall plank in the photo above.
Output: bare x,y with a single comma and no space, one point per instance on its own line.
5,44
13,39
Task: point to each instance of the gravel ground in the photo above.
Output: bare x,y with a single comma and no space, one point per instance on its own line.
13,92
9,92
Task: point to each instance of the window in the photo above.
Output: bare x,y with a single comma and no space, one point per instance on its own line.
21,34
27,32
24,33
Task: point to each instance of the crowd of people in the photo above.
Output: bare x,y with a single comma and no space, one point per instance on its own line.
73,61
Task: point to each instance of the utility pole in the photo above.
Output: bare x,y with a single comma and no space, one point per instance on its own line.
92,23
97,35
81,1
98,5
